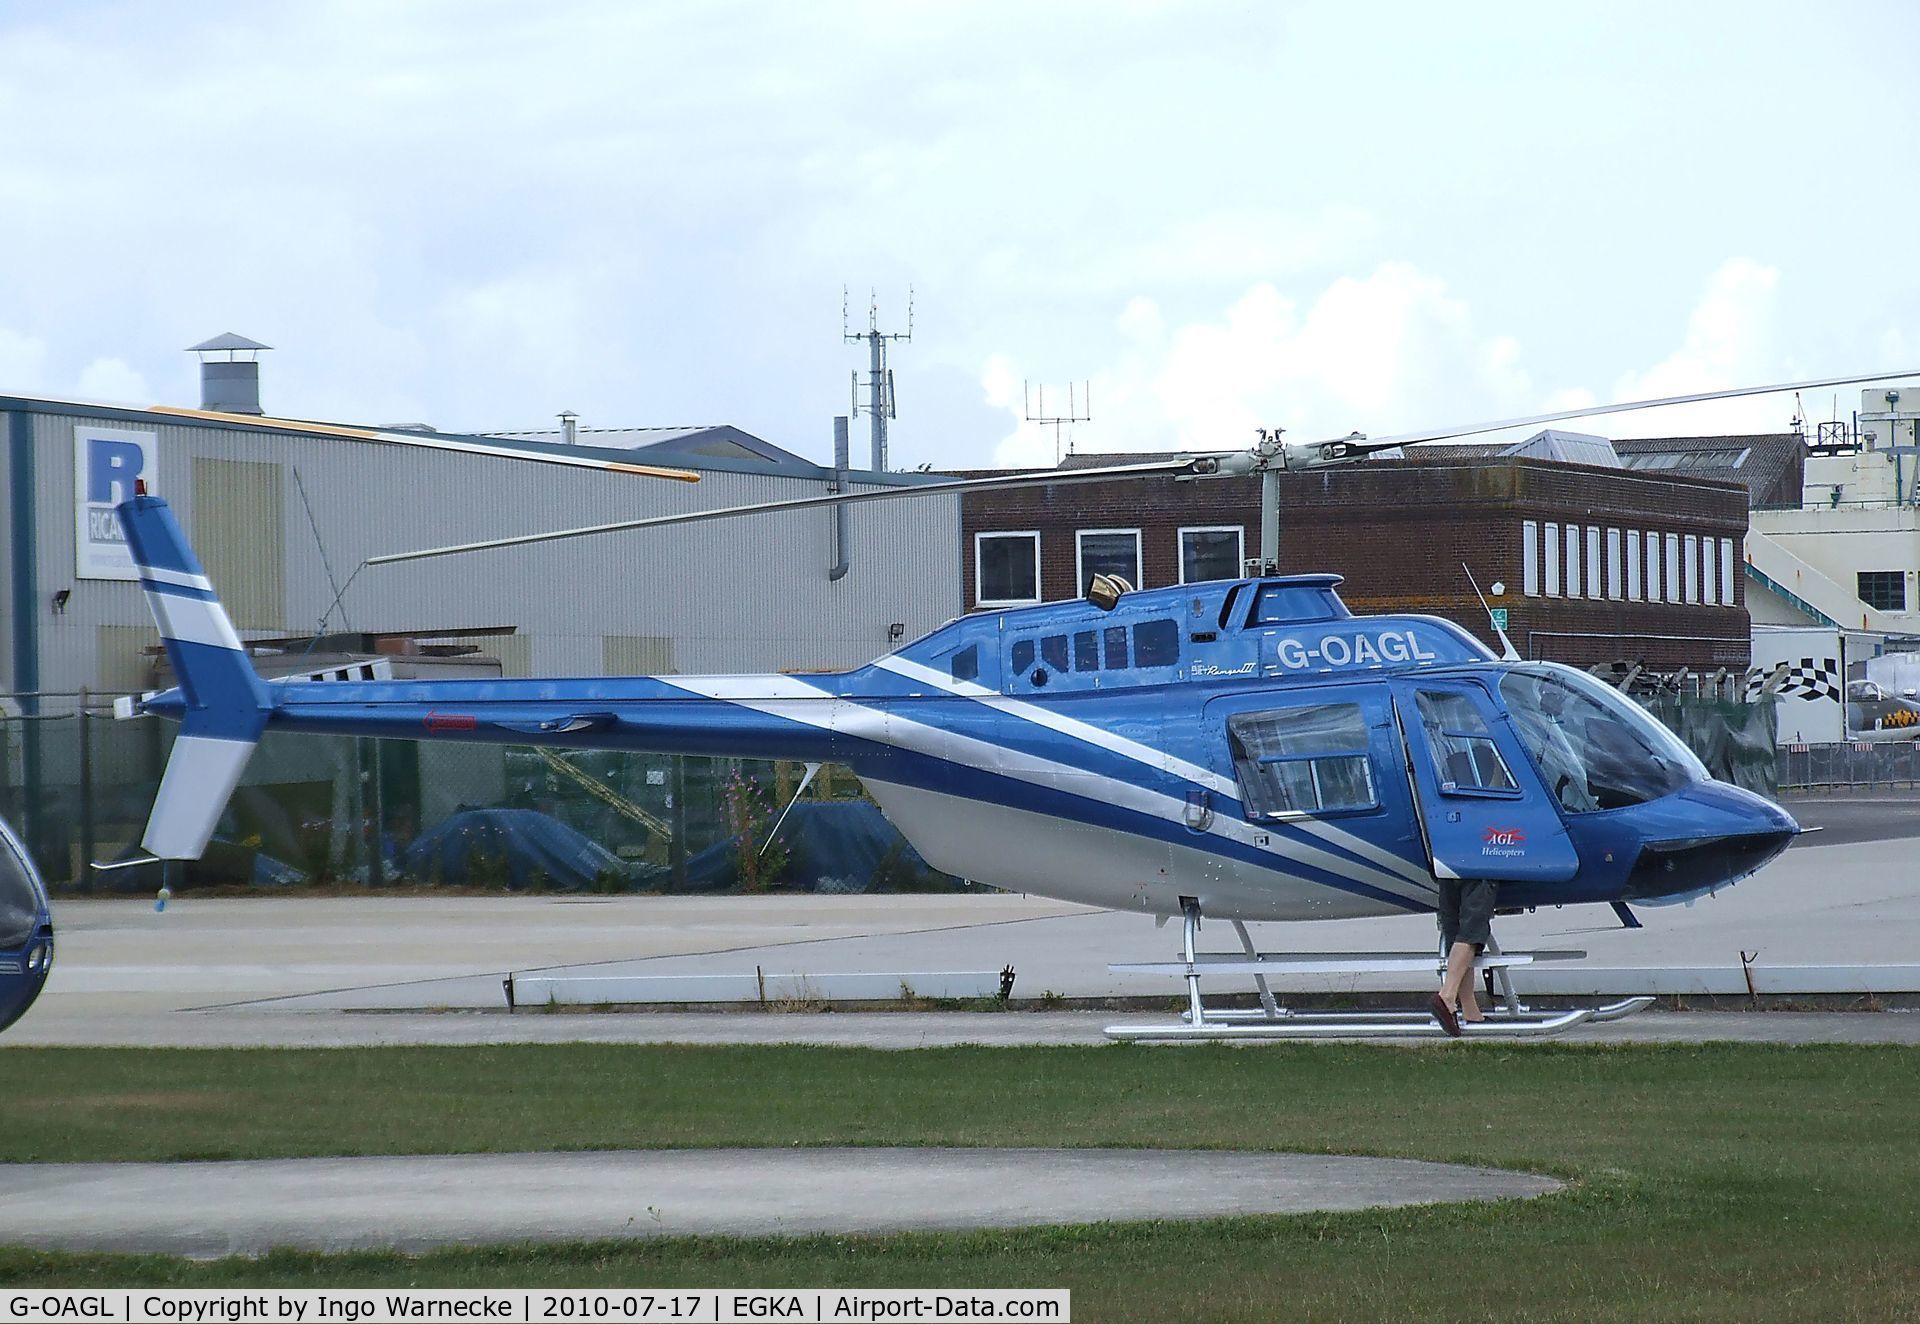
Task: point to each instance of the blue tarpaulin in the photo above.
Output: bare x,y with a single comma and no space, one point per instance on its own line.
518,847
832,846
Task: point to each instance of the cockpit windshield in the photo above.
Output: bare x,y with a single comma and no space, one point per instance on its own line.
1596,748
20,898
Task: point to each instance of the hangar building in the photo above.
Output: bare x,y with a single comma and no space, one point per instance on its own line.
283,513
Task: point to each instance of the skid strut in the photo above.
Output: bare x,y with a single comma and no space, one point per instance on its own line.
1509,1017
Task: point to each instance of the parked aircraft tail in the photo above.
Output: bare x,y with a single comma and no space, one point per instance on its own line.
227,704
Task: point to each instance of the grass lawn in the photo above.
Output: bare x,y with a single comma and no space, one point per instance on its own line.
1719,1182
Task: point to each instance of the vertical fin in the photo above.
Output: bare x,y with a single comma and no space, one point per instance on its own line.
227,704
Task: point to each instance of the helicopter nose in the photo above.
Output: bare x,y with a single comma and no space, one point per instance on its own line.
1708,836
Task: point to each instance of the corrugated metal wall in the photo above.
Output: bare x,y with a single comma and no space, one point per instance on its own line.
743,595
237,532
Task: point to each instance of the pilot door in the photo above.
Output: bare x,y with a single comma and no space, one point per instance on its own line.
1482,810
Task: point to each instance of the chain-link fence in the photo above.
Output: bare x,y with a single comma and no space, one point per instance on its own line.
351,813
1890,763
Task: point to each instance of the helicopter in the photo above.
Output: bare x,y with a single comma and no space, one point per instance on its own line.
26,929
1238,750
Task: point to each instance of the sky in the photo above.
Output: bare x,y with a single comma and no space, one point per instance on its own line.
1381,217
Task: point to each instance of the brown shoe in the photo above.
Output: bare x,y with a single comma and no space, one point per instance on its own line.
1444,1014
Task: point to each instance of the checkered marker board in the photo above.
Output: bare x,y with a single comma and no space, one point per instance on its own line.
1809,679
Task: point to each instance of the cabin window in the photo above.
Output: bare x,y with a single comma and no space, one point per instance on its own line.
1226,607
1086,651
20,898
965,664
1053,651
1596,748
1115,638
1156,644
1210,553
1290,604
1109,552
1465,759
1022,656
1006,568
1302,760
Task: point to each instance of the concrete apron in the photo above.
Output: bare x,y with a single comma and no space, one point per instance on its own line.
207,1210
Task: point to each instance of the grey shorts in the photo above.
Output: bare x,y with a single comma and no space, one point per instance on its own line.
1466,910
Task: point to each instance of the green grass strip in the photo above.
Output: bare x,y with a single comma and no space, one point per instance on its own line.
1715,1182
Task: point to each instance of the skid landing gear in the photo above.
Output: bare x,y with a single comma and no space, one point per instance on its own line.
1508,1018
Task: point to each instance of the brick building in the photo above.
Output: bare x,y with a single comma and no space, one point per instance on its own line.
1596,564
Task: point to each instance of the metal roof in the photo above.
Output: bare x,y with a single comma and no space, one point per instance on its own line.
226,340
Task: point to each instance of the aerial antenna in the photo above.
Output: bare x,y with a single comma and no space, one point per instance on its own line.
879,384
1034,402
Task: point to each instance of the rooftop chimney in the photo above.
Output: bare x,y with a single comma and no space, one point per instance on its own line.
230,374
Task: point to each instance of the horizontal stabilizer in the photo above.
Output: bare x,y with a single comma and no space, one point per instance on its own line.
226,704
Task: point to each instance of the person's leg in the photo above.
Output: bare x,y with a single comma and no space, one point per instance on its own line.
1477,897
1457,987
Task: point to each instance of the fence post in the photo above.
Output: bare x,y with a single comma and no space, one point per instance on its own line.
86,784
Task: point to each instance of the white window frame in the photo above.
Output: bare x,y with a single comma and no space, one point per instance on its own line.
979,580
1670,580
1709,573
1690,567
1552,546
1593,561
1573,560
1616,589
1239,531
1726,572
1634,566
1530,558
1653,565
1079,568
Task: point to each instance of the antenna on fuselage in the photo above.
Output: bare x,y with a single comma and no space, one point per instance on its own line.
1508,653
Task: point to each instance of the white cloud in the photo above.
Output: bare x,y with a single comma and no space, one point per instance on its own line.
23,361
114,382
1730,342
1392,351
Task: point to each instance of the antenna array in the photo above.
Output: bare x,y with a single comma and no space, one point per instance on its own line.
1079,397
879,383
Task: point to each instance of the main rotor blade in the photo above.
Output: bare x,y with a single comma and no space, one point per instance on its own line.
1594,411
1169,468
436,442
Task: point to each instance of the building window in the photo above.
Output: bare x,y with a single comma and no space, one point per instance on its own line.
1653,566
1553,560
1302,760
1672,577
1614,585
1883,590
1709,579
1211,553
1530,558
1006,568
1633,565
1726,572
1109,552
1690,567
1573,560
1593,560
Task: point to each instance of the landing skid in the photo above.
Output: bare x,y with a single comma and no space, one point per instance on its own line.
1509,1018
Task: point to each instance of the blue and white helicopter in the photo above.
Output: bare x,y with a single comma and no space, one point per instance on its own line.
26,930
1236,750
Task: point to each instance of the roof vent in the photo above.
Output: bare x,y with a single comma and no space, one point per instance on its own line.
230,374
